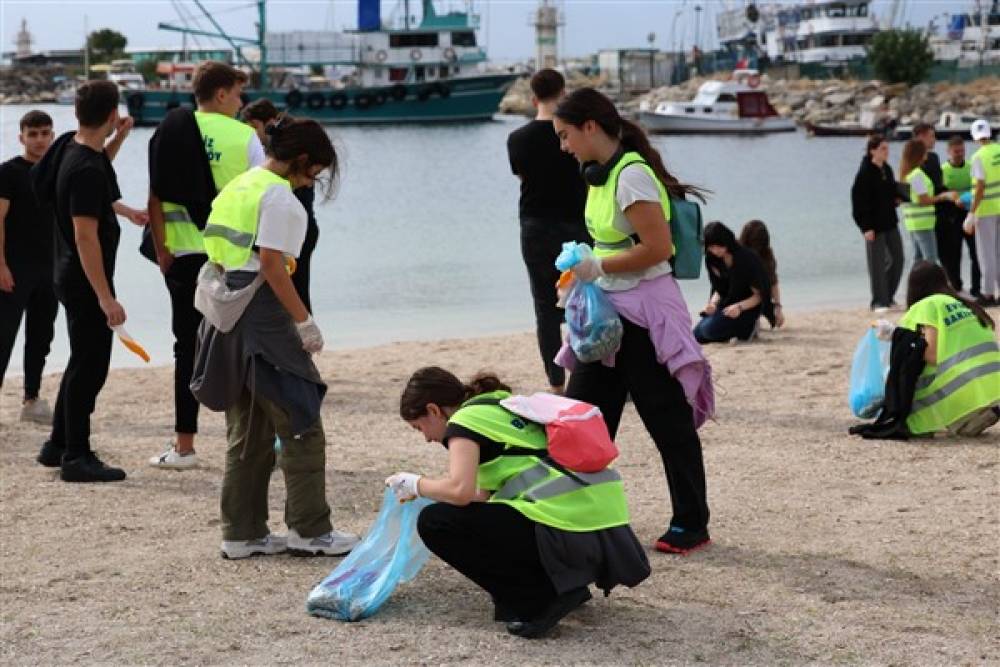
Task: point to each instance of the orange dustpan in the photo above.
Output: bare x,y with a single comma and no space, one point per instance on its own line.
130,343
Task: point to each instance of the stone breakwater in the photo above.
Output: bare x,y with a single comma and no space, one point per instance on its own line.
834,101
24,85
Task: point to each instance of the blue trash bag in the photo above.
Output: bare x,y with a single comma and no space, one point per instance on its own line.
390,554
595,330
869,370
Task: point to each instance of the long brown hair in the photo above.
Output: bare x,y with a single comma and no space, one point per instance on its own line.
913,156
440,387
927,278
303,143
586,104
755,236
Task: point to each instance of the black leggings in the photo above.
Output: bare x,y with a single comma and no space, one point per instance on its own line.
182,279
664,410
494,545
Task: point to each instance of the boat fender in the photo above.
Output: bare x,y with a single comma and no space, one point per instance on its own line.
425,93
416,54
379,98
754,80
136,102
315,100
293,100
338,101
381,55
398,92
449,54
443,90
362,100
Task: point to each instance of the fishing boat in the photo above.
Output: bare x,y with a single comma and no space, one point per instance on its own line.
431,71
737,106
950,123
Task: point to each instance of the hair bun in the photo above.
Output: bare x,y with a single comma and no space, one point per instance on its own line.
276,126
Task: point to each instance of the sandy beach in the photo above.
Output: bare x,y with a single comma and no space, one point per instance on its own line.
827,549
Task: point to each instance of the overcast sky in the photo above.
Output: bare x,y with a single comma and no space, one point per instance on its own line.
590,24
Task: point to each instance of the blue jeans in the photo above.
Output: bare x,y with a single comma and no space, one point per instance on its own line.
925,245
718,328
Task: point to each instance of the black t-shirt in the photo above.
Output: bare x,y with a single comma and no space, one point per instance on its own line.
551,185
488,449
86,185
737,282
28,228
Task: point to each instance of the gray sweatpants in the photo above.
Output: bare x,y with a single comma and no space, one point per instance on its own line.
988,250
885,266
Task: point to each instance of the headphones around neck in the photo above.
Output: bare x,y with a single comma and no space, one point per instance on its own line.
597,174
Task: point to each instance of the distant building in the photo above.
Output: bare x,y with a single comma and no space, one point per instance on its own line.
635,71
23,41
57,57
546,21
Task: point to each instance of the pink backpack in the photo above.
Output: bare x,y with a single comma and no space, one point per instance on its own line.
577,435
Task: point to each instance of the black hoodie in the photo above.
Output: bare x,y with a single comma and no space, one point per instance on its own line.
873,197
78,181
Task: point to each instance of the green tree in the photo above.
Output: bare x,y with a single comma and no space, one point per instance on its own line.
106,45
901,56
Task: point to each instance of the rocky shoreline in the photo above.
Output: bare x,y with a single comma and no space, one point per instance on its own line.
28,85
823,101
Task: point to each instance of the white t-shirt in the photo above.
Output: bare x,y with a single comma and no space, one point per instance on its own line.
978,171
255,152
918,186
634,184
282,225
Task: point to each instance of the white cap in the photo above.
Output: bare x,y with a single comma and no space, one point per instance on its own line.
980,129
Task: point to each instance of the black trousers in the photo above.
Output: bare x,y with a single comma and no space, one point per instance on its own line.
89,359
494,545
885,266
950,239
182,280
541,242
34,298
304,263
664,410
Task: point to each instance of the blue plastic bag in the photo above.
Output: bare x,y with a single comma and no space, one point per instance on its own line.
390,554
869,370
595,330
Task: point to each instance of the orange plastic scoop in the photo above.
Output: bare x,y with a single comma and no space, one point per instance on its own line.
291,264
131,343
565,278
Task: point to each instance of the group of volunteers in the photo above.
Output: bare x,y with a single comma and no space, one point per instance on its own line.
944,206
229,222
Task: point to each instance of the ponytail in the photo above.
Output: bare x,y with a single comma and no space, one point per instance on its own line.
634,139
440,387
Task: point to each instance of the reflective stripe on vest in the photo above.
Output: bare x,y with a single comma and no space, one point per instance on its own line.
967,378
540,492
989,156
918,217
602,207
232,225
227,143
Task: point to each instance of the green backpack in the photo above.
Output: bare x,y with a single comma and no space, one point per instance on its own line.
686,230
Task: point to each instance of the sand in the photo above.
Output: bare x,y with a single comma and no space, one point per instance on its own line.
827,548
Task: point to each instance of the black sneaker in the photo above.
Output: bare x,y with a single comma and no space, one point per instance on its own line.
89,468
548,619
679,541
50,455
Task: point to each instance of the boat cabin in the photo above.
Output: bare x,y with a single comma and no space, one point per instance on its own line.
739,97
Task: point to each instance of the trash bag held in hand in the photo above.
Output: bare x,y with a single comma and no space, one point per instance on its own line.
390,554
595,331
868,372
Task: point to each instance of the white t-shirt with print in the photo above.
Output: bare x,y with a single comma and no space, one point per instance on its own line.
634,185
282,224
918,186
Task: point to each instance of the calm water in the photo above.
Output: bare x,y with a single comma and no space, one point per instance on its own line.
421,240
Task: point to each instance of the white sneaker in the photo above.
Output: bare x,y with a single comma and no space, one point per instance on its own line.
171,460
37,411
334,543
265,546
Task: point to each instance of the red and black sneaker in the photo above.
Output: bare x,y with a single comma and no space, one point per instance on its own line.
679,541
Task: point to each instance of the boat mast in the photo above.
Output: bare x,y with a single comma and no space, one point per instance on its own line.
406,14
262,41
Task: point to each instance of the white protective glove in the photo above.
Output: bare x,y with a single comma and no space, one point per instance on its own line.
883,329
588,269
312,339
969,226
404,485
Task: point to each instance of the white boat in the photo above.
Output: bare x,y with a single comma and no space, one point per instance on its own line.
950,123
971,39
737,106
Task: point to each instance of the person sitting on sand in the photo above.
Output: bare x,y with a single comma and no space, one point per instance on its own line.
254,350
534,550
741,291
755,236
959,388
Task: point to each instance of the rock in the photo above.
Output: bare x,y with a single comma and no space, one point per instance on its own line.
838,99
876,101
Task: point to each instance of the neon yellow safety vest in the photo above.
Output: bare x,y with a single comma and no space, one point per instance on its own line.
916,217
227,142
231,230
990,157
967,375
601,207
536,490
955,178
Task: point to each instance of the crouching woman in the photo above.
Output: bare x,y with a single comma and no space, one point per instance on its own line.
531,534
959,388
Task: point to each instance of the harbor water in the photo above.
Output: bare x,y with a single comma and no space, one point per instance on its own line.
421,239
